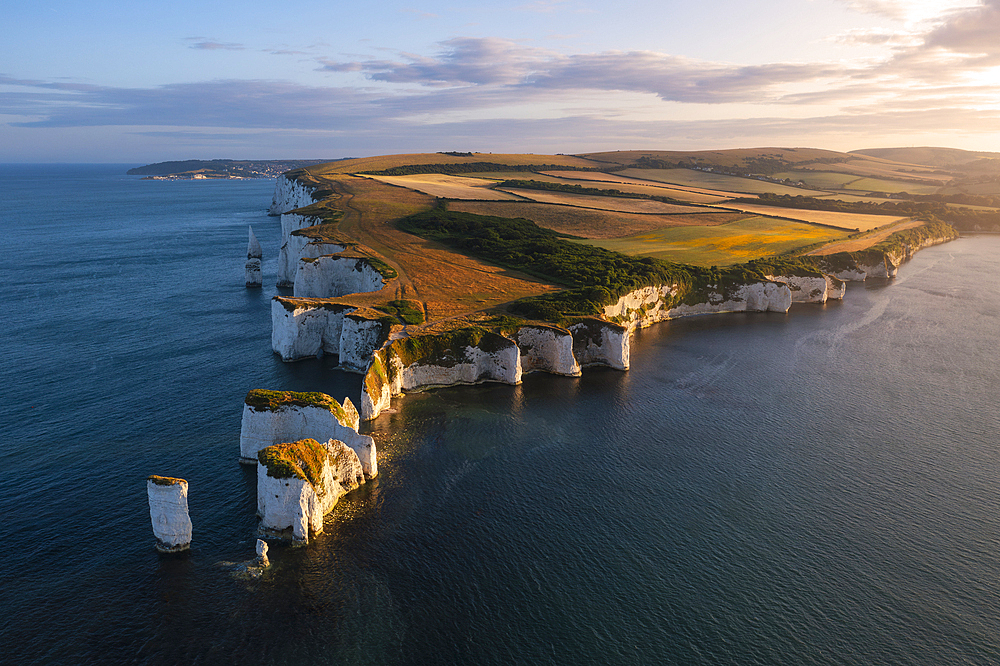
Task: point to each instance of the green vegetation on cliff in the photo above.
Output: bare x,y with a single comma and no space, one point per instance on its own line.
409,312
303,459
165,480
271,401
595,277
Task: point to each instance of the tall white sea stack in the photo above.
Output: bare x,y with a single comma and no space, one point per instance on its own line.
168,511
254,255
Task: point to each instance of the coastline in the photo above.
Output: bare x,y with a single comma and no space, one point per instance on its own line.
395,361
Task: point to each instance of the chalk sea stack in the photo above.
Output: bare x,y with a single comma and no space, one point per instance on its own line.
298,483
254,254
168,511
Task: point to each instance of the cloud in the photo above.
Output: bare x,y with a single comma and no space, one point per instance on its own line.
878,37
907,10
463,61
974,31
213,45
499,62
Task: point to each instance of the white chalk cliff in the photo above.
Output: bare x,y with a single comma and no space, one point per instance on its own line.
448,360
168,512
289,194
297,245
330,276
649,305
546,349
297,500
266,423
308,328
812,288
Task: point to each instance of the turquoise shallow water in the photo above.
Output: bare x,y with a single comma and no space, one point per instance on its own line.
813,488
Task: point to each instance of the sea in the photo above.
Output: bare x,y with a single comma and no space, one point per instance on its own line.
816,487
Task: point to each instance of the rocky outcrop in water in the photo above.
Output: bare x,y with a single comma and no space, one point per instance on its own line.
168,512
254,255
275,417
299,482
261,550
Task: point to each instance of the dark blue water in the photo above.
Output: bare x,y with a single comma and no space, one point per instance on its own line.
821,487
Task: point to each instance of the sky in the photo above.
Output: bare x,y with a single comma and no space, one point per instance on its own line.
108,81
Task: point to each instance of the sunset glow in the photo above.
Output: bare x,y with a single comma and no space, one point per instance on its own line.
565,76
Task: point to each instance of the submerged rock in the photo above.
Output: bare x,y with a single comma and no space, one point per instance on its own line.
168,511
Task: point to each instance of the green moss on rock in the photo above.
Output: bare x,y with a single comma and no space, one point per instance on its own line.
303,459
262,400
165,480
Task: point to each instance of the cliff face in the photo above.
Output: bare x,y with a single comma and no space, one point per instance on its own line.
332,276
289,194
546,349
466,356
298,246
298,483
597,342
306,328
649,305
883,259
811,288
282,420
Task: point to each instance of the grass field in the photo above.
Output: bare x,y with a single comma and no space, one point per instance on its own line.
723,245
822,180
618,204
872,167
889,186
448,187
614,180
848,221
866,240
382,162
447,283
587,223
986,188
852,198
735,185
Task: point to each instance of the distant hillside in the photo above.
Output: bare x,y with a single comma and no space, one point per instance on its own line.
927,156
220,168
